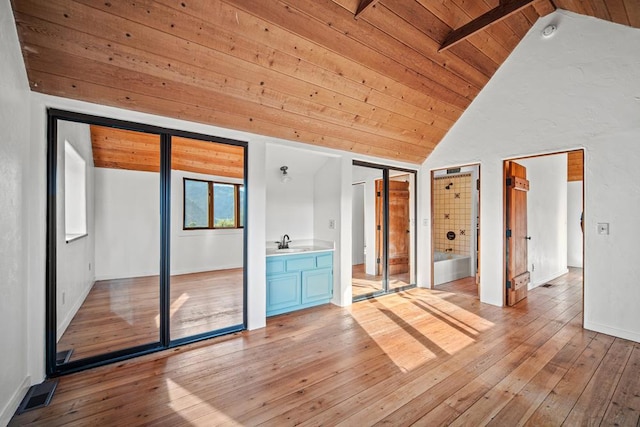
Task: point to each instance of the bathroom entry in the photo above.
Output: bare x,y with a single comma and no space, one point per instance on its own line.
455,229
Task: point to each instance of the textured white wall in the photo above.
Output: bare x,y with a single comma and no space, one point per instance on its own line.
579,88
14,225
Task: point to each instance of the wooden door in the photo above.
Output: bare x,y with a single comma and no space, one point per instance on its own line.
399,227
517,275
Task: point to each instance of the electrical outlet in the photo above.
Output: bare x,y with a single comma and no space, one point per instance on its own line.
332,224
63,298
425,222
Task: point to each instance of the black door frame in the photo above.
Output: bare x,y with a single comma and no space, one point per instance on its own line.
164,340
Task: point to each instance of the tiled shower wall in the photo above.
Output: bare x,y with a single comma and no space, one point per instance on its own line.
452,212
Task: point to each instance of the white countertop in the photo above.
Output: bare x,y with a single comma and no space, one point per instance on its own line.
300,247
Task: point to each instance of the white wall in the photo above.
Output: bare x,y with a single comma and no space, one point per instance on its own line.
326,209
128,227
546,217
127,217
289,205
357,224
574,232
75,259
579,88
14,222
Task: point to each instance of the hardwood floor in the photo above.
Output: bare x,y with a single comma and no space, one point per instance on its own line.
363,283
123,313
419,357
466,285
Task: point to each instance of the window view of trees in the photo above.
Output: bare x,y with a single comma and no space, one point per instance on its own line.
196,204
210,204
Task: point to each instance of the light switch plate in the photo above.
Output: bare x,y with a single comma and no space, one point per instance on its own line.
603,228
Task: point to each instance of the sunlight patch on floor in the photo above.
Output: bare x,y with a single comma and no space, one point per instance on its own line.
437,328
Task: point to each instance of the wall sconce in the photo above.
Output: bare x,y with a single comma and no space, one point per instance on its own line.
448,186
285,175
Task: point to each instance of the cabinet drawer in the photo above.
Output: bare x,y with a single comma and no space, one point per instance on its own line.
298,264
324,260
275,266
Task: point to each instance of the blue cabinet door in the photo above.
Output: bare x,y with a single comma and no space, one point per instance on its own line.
283,292
317,285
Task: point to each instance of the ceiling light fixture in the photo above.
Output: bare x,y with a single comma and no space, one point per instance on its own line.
548,31
285,175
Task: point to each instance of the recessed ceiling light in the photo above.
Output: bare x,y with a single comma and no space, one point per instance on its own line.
548,31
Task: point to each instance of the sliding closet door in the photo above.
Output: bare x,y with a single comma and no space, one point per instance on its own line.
145,239
107,228
368,240
383,230
207,238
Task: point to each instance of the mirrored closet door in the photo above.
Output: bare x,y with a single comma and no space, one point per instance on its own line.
383,230
145,239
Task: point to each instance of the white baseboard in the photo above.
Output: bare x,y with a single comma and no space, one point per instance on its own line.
67,320
548,278
13,403
173,272
620,333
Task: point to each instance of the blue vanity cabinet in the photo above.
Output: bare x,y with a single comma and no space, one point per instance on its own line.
298,281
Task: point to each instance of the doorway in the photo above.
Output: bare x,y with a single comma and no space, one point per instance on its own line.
552,241
383,230
455,213
146,239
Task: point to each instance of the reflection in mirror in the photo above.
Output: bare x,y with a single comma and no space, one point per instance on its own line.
207,235
367,227
108,245
401,229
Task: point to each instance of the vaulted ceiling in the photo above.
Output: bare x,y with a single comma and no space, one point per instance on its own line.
302,70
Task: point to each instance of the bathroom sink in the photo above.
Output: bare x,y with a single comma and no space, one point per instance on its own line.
290,250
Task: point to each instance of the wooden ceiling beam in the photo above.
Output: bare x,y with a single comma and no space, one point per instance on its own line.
363,6
504,10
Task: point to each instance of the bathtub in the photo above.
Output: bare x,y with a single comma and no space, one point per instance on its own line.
448,267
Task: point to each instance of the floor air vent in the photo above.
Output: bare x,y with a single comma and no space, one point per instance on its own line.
38,396
547,285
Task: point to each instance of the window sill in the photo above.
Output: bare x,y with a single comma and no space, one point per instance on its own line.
71,237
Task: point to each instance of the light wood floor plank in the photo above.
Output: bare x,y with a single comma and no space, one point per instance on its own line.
421,357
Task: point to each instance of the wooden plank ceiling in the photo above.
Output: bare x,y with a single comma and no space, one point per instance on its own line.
303,70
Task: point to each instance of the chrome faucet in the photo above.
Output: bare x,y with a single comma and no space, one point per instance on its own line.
284,244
